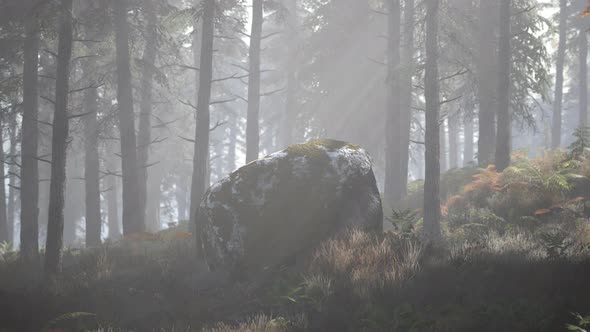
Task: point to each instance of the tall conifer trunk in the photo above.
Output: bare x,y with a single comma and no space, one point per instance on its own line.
583,93
55,224
132,216
145,106
29,220
201,152
92,168
486,77
503,138
393,144
557,103
432,128
252,125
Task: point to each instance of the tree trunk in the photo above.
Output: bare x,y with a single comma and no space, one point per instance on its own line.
583,78
55,224
292,84
29,222
75,207
201,152
485,78
181,203
145,106
4,234
233,142
503,142
557,103
442,141
407,72
113,204
252,125
217,164
12,170
91,166
132,216
152,219
432,144
468,145
454,128
393,182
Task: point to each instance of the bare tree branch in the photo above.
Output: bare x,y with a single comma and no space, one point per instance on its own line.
241,98
270,35
14,187
460,72
45,123
48,99
180,65
82,57
186,139
52,53
14,174
217,125
234,76
43,160
87,88
150,164
450,100
241,67
223,101
73,116
272,92
111,173
154,141
187,103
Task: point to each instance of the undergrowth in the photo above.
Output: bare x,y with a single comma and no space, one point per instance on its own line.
356,281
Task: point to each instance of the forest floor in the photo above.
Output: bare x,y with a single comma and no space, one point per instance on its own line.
355,282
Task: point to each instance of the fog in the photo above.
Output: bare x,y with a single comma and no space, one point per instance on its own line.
124,120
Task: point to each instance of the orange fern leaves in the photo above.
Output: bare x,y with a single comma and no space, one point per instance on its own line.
488,179
586,12
577,199
542,212
454,203
454,200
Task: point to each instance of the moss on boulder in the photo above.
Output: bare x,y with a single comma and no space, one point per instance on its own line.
286,203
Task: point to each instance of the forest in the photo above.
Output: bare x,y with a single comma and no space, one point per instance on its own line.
294,165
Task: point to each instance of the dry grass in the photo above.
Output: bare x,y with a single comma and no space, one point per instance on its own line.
262,323
354,282
366,261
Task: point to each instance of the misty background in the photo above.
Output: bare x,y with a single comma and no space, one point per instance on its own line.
316,69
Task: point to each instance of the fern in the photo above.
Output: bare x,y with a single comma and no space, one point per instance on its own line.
582,322
581,144
556,243
552,179
404,220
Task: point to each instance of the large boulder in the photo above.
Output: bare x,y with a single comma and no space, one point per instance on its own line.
285,204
